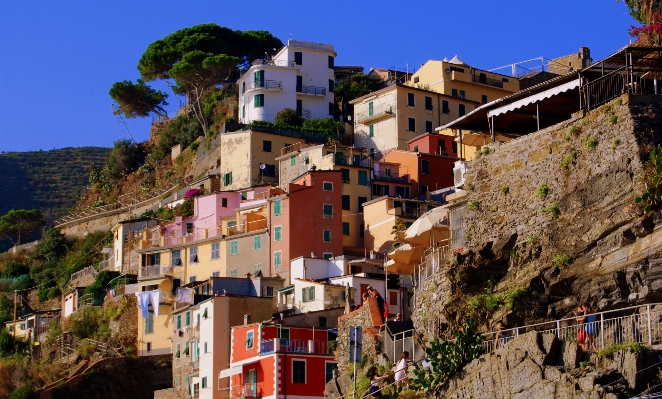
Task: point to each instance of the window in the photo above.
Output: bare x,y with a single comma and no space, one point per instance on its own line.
454,92
344,175
328,186
204,379
402,192
362,200
463,94
259,78
412,124
149,322
266,146
234,273
425,166
441,145
293,161
445,108
328,210
224,202
428,103
416,80
371,108
216,273
461,109
331,109
329,368
278,233
361,231
345,228
371,130
177,353
189,228
331,86
483,99
243,108
298,58
363,177
269,170
410,100
345,202
327,235
428,126
204,349
270,291
454,147
278,258
179,321
176,257
330,61
424,189
298,371
149,346
277,210
227,179
257,267
249,339
257,243
303,295
258,100
415,148
196,389
188,318
243,87
215,250
327,255
234,247
311,293
192,279
393,298
321,321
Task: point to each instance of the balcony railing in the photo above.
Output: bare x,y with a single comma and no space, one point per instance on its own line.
283,63
312,90
379,111
303,113
487,81
393,176
155,239
264,84
158,270
294,346
244,391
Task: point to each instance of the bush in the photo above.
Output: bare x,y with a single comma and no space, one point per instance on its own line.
323,125
474,205
124,158
101,282
589,143
562,261
542,191
85,323
609,350
287,118
567,159
6,342
24,392
489,301
54,292
552,209
505,190
575,130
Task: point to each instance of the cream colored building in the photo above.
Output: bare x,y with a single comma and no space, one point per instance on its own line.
390,117
355,166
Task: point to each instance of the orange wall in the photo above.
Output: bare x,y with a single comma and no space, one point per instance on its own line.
440,174
315,373
239,334
429,144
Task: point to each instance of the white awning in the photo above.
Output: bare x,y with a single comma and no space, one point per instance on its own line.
534,98
231,371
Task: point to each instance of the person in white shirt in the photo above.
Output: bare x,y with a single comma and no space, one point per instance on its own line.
401,369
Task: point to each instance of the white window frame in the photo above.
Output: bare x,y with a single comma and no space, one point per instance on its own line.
327,253
193,254
305,371
281,233
218,251
250,344
280,259
324,183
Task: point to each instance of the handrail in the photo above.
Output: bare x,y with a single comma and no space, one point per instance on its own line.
264,84
315,90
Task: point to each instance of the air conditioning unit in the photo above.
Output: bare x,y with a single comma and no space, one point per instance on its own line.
459,171
165,269
389,109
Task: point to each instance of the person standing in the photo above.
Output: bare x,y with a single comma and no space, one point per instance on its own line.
401,369
375,380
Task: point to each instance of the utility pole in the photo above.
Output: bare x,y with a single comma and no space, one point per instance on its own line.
14,326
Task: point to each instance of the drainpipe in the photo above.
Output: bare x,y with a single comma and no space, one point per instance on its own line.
461,158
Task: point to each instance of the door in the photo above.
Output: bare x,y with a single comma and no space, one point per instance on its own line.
364,290
251,383
299,106
299,83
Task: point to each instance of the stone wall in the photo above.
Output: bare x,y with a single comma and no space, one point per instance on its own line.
512,238
540,366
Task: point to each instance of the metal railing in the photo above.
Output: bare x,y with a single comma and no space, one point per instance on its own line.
95,299
176,237
284,63
378,110
263,84
293,345
393,344
393,176
84,272
640,324
244,391
314,90
304,113
487,81
604,89
431,266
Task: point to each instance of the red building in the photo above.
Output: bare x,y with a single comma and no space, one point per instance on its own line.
432,143
273,361
306,220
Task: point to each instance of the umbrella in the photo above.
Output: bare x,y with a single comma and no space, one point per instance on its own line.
399,268
405,253
431,227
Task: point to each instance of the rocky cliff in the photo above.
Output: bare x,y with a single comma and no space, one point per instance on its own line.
553,213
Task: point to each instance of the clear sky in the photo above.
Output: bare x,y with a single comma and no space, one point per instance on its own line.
59,58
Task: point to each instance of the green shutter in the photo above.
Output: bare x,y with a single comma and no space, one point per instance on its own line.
293,161
277,233
363,178
303,295
370,108
276,208
311,293
345,228
372,130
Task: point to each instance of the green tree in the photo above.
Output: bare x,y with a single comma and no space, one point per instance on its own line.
18,223
124,158
200,57
138,99
354,87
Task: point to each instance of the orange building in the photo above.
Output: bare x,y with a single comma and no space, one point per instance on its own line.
307,220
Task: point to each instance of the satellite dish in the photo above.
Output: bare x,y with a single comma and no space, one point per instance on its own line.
185,234
263,166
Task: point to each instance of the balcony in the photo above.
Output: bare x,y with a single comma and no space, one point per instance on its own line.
303,113
392,176
311,90
263,84
244,391
487,81
377,113
294,346
156,238
283,63
158,271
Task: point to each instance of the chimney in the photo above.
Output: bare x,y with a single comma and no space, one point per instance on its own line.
247,319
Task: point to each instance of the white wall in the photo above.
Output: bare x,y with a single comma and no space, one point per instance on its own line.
356,281
314,268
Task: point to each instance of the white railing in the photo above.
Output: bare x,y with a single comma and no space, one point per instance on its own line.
293,345
639,324
431,266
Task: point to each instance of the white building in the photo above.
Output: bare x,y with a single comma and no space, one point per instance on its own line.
300,76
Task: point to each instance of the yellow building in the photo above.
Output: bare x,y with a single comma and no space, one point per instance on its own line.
355,166
388,118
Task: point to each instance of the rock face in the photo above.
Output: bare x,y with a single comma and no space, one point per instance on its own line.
571,190
540,366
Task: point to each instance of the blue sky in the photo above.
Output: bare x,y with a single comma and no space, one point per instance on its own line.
59,58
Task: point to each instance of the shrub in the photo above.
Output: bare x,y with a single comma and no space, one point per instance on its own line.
609,350
101,282
532,239
484,151
124,158
323,125
613,119
490,301
542,191
505,189
193,192
287,118
552,209
615,142
187,208
589,143
471,187
474,205
85,323
567,159
24,392
562,261
652,197
575,130
467,236
54,292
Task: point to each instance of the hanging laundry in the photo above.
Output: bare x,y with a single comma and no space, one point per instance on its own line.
143,302
156,300
184,295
